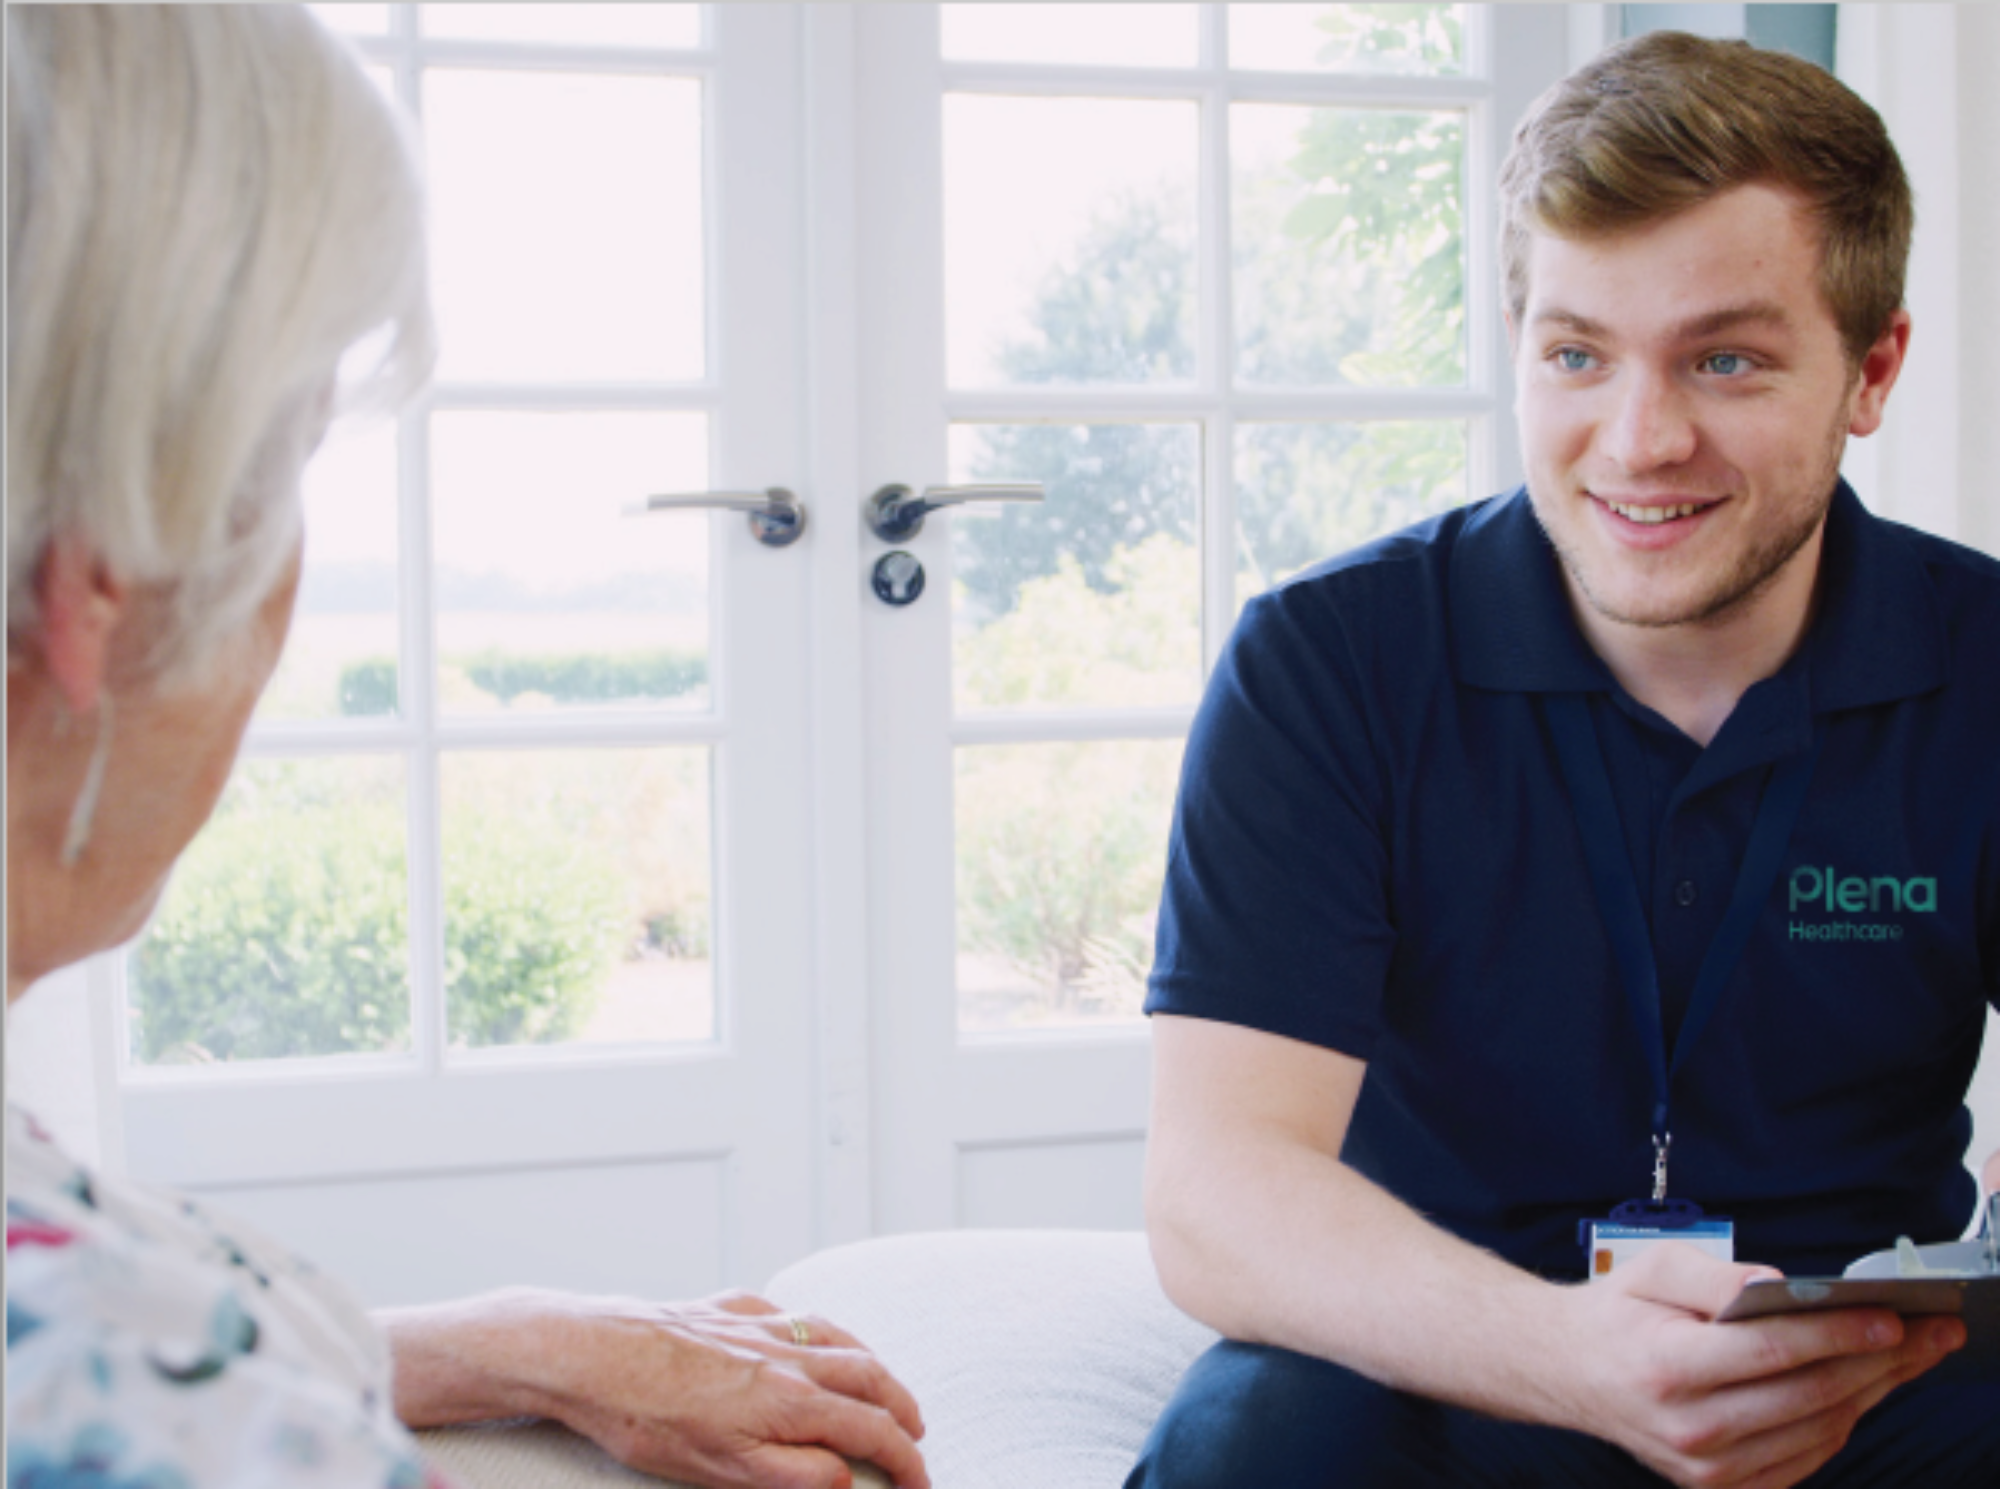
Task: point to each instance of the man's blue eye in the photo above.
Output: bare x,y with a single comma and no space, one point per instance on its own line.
1572,360
1727,363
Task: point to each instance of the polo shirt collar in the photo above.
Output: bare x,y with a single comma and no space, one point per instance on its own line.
1879,636
1511,627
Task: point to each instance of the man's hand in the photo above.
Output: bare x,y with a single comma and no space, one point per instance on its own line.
1759,1404
718,1392
1992,1175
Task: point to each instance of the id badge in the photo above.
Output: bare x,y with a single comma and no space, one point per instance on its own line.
1613,1244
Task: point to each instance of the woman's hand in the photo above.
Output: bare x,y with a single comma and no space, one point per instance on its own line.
719,1392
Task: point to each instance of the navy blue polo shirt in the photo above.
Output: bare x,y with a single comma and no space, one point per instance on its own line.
1374,851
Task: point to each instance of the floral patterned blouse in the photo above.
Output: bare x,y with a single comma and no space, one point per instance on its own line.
152,1346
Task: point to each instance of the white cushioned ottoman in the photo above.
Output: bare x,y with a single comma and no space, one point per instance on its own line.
1040,1359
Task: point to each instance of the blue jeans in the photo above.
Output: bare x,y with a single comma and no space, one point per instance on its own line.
1251,1417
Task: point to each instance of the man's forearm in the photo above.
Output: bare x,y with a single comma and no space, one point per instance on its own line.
1289,1247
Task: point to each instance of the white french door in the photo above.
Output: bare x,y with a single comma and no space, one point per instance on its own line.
1220,278
517,865
732,909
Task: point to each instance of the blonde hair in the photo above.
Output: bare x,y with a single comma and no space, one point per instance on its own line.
1666,121
208,207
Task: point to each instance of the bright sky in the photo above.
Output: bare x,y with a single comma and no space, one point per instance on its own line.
1023,179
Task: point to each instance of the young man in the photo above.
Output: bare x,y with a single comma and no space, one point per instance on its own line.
1641,825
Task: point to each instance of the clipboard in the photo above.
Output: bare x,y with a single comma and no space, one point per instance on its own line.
1954,1277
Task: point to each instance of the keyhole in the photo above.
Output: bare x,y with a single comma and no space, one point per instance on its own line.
899,578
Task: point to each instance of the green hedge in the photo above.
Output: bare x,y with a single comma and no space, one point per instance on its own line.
369,687
286,933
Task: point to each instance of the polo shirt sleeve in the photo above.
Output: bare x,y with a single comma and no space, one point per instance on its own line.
1276,909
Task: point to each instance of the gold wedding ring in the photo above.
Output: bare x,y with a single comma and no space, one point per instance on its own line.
801,1335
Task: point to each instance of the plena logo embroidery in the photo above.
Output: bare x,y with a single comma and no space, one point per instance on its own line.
1825,890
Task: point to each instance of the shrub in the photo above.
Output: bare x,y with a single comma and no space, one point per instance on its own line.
369,687
286,933
1061,850
279,937
532,927
587,677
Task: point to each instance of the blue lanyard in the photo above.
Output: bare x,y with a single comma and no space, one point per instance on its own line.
1625,921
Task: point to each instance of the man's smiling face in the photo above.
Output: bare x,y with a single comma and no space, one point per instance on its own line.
1684,401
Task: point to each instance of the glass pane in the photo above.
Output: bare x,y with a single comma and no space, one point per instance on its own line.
1109,35
340,657
576,897
566,225
1305,492
1401,39
650,25
547,595
285,928
1349,228
1069,240
1094,596
1061,852
355,20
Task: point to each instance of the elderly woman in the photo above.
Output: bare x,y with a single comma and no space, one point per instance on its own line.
209,209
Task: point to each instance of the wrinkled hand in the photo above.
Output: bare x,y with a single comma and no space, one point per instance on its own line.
1759,1404
717,1392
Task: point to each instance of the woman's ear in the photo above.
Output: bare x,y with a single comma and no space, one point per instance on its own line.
82,603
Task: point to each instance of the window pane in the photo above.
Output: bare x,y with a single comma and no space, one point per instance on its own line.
576,897
1349,237
355,20
1061,853
650,25
547,595
1348,38
340,657
1109,35
285,928
567,225
1069,240
1094,596
1305,492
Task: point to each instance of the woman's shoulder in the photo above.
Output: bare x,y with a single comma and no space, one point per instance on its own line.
147,1344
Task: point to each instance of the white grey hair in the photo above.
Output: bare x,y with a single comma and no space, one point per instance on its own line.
208,207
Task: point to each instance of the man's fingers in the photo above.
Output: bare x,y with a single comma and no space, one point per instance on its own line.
859,1375
1756,1349
1677,1275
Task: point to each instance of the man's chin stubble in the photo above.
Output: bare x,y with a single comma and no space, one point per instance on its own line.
1756,572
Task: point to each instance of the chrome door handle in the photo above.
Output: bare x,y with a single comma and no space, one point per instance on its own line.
896,513
776,516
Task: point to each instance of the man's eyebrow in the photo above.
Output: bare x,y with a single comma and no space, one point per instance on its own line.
1583,325
1753,313
1710,323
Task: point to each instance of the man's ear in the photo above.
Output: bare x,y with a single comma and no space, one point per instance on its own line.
1879,370
82,603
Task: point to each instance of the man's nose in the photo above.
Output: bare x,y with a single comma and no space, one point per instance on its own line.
1650,428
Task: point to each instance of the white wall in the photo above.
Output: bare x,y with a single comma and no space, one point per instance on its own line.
1930,69
52,1062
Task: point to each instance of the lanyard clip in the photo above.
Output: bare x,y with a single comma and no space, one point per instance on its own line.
1662,1141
